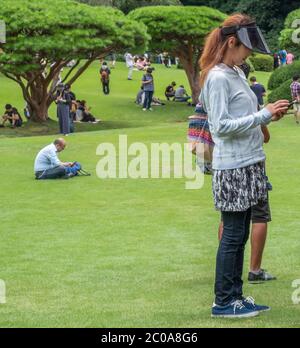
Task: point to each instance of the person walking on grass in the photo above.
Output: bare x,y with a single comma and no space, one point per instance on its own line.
295,92
105,78
239,180
148,83
259,90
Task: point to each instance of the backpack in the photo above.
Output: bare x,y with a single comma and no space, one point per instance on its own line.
104,75
76,170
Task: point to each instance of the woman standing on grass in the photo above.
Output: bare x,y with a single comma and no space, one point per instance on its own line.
239,180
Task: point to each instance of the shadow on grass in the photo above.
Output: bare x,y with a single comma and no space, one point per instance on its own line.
50,127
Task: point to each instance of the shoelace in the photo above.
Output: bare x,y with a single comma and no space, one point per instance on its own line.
250,300
238,304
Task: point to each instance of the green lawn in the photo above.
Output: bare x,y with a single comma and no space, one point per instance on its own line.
131,253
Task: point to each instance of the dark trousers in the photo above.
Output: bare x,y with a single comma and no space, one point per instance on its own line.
148,99
53,173
230,257
182,99
169,95
105,85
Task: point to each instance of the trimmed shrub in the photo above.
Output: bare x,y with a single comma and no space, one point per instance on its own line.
262,62
281,92
248,61
283,74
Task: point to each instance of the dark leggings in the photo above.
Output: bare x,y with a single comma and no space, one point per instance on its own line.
230,257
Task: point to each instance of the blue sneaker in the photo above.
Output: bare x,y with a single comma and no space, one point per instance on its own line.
236,309
249,303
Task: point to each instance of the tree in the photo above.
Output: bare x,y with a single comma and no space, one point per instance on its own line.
290,35
129,5
181,32
269,15
44,36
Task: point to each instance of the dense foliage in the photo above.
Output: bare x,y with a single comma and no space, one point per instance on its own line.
181,32
43,37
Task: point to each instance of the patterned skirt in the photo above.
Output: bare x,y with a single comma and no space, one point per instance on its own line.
239,189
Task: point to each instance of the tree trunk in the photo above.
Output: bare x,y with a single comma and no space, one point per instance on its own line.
37,100
40,113
193,74
38,93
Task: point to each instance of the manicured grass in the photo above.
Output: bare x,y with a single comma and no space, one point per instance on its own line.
117,110
131,253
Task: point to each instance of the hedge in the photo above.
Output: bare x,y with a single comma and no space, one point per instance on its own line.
283,74
262,62
281,92
248,61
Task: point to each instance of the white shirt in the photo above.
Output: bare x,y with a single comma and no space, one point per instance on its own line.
46,159
129,60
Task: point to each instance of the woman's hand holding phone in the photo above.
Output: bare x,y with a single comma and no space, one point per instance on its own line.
278,109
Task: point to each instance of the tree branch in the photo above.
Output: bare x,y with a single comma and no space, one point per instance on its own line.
71,70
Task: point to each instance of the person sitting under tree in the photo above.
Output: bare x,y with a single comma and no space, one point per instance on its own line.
11,115
181,94
170,90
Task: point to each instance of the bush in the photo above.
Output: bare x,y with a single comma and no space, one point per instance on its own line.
283,74
262,62
248,61
281,92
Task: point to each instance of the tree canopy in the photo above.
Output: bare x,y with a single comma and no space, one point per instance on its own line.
290,35
269,15
180,31
43,37
129,5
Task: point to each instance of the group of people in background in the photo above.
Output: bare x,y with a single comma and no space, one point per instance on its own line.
70,110
282,58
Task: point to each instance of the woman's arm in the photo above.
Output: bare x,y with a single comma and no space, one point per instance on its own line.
223,124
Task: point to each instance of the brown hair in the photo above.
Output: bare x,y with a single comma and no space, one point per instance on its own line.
216,46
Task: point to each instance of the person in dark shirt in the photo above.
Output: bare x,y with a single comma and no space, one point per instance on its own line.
170,90
63,101
12,115
259,91
72,105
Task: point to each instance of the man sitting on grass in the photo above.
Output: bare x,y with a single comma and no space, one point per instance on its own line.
12,115
48,166
181,95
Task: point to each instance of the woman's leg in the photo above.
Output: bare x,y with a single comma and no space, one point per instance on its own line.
59,116
65,120
238,282
230,256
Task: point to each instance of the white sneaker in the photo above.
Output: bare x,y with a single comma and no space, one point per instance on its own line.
144,109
